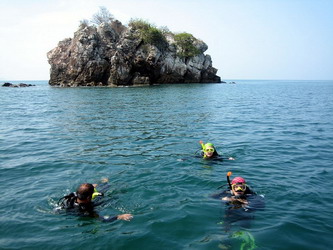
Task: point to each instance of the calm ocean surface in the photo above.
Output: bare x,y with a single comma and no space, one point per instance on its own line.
144,140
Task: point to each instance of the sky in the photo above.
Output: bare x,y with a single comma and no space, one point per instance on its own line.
247,39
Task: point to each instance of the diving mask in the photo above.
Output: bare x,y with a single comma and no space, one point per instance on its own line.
239,187
209,150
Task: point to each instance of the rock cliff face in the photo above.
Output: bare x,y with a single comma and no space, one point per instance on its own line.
116,55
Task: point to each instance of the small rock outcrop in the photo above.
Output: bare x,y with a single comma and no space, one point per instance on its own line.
20,85
112,54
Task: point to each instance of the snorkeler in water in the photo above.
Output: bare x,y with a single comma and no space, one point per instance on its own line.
240,203
81,203
209,152
240,195
238,192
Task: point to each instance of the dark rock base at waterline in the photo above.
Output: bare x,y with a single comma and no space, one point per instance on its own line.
20,85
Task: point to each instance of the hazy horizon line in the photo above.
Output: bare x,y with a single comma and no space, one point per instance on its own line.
223,80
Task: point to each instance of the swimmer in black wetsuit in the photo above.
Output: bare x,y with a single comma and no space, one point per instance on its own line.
238,193
80,202
241,203
209,152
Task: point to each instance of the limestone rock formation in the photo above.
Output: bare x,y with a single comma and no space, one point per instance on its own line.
116,55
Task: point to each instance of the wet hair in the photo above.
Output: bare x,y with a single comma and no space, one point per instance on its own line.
215,153
85,191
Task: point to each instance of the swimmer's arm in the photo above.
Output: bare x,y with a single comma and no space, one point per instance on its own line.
245,202
233,199
102,188
228,158
226,198
104,181
126,217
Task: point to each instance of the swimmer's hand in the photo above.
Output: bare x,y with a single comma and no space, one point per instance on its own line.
226,198
235,200
126,217
231,158
104,180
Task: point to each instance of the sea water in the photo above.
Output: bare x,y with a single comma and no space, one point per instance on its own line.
145,141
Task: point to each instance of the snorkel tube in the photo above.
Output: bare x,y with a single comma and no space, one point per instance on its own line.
203,148
228,179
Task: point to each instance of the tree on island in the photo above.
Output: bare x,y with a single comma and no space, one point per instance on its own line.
102,16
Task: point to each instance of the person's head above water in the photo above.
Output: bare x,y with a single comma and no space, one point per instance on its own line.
237,180
208,150
238,186
84,192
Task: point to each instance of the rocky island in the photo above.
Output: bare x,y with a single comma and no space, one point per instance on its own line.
108,53
20,85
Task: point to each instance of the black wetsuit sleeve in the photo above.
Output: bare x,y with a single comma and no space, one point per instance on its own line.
256,202
102,188
110,219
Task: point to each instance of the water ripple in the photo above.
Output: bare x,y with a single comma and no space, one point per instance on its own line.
144,140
